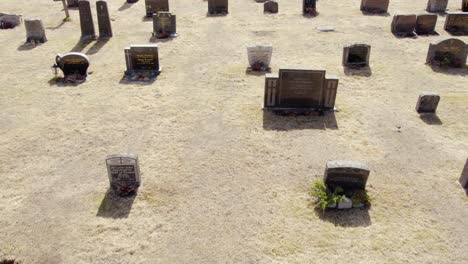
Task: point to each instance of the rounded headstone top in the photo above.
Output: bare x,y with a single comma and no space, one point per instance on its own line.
437,42
347,164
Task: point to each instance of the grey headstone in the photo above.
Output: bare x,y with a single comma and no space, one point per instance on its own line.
260,57
346,174
309,7
105,28
124,173
72,3
346,203
436,6
86,20
142,59
164,25
74,65
154,6
356,55
8,21
425,24
270,7
404,25
447,52
457,23
374,6
35,31
465,6
427,102
464,177
218,7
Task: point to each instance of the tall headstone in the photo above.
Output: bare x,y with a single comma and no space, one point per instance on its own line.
309,7
8,21
270,7
464,177
449,52
74,66
216,7
35,31
374,6
404,25
142,62
436,6
464,6
425,24
124,173
298,90
356,55
105,28
86,21
164,25
427,102
260,57
154,6
456,23
346,174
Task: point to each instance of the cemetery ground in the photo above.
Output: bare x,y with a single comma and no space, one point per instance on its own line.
222,181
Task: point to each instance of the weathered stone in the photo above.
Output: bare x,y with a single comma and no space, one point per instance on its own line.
124,173
456,23
345,203
8,21
436,6
72,3
74,65
309,7
404,25
154,6
464,6
260,57
427,102
270,7
374,6
356,55
105,28
464,177
218,7
447,52
346,174
142,61
425,24
86,21
35,31
164,25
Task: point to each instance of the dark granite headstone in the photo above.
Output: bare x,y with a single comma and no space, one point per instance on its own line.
404,25
436,6
74,65
105,28
260,57
154,6
164,25
72,3
456,23
427,102
270,7
356,55
218,7
447,52
346,174
8,21
86,21
464,6
374,6
35,31
464,177
425,24
142,62
309,7
124,173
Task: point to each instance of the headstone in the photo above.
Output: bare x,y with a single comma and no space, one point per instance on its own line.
164,25
260,57
124,173
425,24
154,6
105,28
456,23
72,3
449,52
356,55
346,174
142,62
8,21
427,102
404,25
345,203
464,6
35,31
86,21
270,7
300,90
218,7
309,7
374,6
74,66
436,6
464,177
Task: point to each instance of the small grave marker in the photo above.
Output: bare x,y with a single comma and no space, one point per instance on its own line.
142,62
260,57
218,7
425,24
35,32
449,52
124,173
154,6
436,6
374,6
8,21
309,7
270,7
456,23
427,102
356,55
164,25
74,66
464,177
404,25
346,174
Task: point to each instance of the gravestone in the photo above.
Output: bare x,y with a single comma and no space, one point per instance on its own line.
260,57
74,66
86,21
427,102
456,23
404,25
449,52
8,21
425,24
104,24
356,55
72,3
270,7
124,173
164,25
154,6
218,7
464,6
309,7
374,6
35,31
464,177
436,6
142,62
299,90
346,174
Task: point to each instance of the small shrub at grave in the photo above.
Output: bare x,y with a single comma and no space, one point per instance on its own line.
328,198
446,59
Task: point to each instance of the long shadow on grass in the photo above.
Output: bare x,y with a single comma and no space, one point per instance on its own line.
346,218
114,206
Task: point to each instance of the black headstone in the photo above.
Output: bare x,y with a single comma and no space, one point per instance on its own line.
309,7
218,7
346,174
124,173
86,20
449,52
425,24
105,28
456,23
164,25
74,65
154,6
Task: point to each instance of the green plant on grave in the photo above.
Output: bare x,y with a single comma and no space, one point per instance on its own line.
324,196
360,197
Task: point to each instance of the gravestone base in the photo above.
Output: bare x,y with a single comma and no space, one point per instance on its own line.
164,35
72,78
310,11
142,75
298,111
